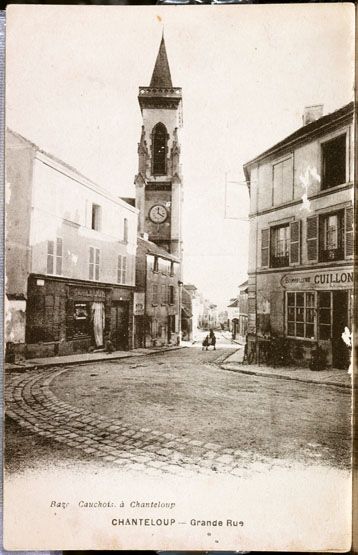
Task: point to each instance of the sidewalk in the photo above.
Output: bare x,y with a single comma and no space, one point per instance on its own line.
332,376
84,358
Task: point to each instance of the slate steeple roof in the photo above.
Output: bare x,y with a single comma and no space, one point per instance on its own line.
161,77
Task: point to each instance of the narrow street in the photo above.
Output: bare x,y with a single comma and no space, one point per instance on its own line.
177,412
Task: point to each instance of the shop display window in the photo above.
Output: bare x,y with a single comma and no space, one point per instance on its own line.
324,314
81,319
300,315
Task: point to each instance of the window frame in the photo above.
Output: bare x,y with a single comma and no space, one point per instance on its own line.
162,169
96,217
305,307
331,255
55,257
95,265
323,145
122,268
286,258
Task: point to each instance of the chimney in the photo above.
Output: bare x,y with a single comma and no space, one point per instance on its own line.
312,113
145,236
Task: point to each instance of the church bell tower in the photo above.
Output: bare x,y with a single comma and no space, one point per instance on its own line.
159,182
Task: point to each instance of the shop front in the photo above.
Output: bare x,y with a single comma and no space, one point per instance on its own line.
309,309
72,317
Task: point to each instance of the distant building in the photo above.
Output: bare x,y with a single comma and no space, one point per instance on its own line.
197,309
70,258
157,297
243,314
186,315
300,283
210,317
233,312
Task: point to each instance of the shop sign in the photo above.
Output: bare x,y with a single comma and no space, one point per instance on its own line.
139,304
88,293
335,279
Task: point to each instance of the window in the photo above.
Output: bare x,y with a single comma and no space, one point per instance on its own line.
96,217
171,294
282,182
156,264
300,315
155,294
94,261
164,298
334,162
159,142
331,236
122,269
324,314
54,257
172,268
280,243
125,230
81,319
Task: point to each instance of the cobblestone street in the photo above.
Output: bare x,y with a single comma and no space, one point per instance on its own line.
177,412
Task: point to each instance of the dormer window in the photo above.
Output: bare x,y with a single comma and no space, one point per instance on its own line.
159,146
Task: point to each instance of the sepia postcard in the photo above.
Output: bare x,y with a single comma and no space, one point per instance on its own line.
179,277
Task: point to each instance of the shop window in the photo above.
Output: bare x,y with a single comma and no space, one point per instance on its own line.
94,263
81,319
324,314
54,257
300,315
122,269
159,142
331,233
280,243
334,162
96,217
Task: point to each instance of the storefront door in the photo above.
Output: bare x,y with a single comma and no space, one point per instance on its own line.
340,351
119,325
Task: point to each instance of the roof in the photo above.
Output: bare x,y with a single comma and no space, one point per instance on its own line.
42,155
305,130
161,77
152,248
235,304
190,287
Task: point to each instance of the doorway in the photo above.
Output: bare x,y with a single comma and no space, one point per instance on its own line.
340,351
119,325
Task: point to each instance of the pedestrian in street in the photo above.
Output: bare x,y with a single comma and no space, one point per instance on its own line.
212,339
205,343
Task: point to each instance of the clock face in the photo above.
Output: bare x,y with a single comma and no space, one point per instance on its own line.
158,213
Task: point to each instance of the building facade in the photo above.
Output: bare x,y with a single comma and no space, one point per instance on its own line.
300,283
159,193
70,258
157,297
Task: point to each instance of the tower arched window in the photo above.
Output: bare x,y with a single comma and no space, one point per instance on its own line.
159,142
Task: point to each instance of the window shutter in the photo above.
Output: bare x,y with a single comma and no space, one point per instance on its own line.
312,238
91,263
295,236
265,247
349,237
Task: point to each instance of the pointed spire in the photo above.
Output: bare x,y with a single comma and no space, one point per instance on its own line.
161,77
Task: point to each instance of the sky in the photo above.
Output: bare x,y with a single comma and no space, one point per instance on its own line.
247,72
